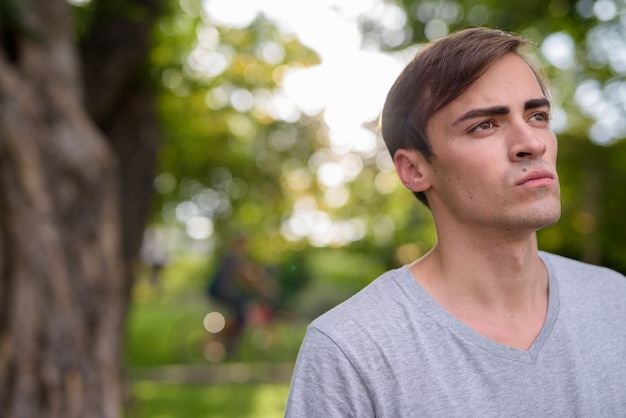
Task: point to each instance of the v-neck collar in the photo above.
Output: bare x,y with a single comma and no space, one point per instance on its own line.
435,310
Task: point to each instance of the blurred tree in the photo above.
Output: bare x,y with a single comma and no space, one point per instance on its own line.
78,145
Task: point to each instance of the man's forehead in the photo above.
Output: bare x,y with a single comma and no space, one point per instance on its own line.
506,82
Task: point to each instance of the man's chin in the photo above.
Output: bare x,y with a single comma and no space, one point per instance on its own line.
549,218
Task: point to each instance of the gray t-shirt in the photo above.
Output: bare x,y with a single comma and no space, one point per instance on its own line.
392,351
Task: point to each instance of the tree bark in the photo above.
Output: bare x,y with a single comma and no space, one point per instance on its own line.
119,101
72,211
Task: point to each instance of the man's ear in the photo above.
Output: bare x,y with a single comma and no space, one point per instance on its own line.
413,169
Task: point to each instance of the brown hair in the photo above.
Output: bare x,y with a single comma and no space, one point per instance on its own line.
439,73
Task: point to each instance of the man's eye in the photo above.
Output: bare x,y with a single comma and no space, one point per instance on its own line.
483,126
541,117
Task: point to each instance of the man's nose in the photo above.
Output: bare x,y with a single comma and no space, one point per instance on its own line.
525,142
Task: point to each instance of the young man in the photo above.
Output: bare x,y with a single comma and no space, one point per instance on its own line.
484,324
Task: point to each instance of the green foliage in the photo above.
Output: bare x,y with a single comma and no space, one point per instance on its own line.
165,325
293,274
154,400
534,17
228,153
161,334
247,168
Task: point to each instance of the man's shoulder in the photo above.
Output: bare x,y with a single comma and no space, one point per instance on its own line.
584,275
368,306
564,263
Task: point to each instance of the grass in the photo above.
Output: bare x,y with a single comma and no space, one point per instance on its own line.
155,400
162,333
165,332
165,328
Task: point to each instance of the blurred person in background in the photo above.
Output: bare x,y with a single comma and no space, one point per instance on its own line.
244,289
484,324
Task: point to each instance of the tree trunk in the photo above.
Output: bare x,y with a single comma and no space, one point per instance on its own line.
65,257
119,101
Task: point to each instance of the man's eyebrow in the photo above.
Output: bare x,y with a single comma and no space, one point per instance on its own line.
535,103
478,113
501,110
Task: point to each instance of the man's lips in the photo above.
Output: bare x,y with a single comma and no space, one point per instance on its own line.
539,177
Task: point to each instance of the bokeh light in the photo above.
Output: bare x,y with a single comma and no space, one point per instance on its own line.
214,322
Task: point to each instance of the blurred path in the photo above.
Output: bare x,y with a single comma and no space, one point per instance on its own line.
216,373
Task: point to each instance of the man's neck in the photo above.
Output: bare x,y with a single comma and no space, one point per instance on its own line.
497,286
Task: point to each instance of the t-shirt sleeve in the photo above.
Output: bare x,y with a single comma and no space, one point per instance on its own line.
325,383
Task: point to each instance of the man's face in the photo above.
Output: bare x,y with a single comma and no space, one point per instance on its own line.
495,153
